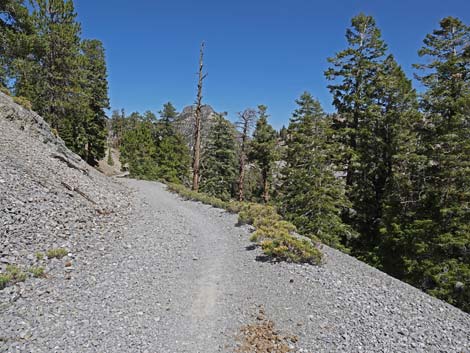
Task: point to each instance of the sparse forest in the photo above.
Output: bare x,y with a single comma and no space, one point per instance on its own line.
385,178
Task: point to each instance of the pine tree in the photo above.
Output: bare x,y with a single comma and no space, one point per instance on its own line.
17,38
117,125
438,259
96,86
138,149
219,160
263,149
401,163
312,197
363,130
60,97
172,154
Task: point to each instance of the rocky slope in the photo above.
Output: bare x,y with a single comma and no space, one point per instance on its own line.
49,197
182,277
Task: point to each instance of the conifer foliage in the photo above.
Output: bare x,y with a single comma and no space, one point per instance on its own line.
150,148
45,61
172,154
263,149
439,237
219,160
312,197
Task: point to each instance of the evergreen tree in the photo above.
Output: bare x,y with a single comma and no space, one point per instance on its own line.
59,97
263,149
401,163
312,197
283,133
438,259
17,38
366,126
117,126
169,114
219,160
172,155
96,87
138,149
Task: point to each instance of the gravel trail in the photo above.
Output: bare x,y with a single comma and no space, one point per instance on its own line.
183,278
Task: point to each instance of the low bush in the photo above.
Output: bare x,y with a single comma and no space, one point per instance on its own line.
39,256
5,90
23,102
272,230
57,253
274,235
5,278
15,273
189,194
37,271
289,248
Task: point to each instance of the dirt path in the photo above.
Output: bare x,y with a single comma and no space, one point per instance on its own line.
183,279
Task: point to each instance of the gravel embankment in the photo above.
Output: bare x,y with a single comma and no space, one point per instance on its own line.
183,280
49,197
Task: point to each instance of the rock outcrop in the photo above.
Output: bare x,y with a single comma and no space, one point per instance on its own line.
185,123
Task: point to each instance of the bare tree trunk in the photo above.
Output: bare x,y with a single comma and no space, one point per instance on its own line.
241,175
197,122
265,186
245,123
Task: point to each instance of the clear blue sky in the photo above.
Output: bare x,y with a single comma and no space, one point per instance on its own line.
258,51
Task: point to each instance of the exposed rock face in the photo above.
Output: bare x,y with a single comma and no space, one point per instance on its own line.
185,123
49,197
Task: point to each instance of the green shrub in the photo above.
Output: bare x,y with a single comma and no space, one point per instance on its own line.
23,102
57,253
5,278
39,256
274,235
5,90
15,273
234,206
197,196
272,230
37,271
288,248
257,215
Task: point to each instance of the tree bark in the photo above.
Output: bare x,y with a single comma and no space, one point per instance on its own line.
197,122
265,186
245,123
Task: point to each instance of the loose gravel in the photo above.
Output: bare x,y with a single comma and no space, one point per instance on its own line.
184,279
159,274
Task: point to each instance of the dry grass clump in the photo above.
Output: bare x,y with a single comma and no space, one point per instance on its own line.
12,275
37,272
262,337
57,253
